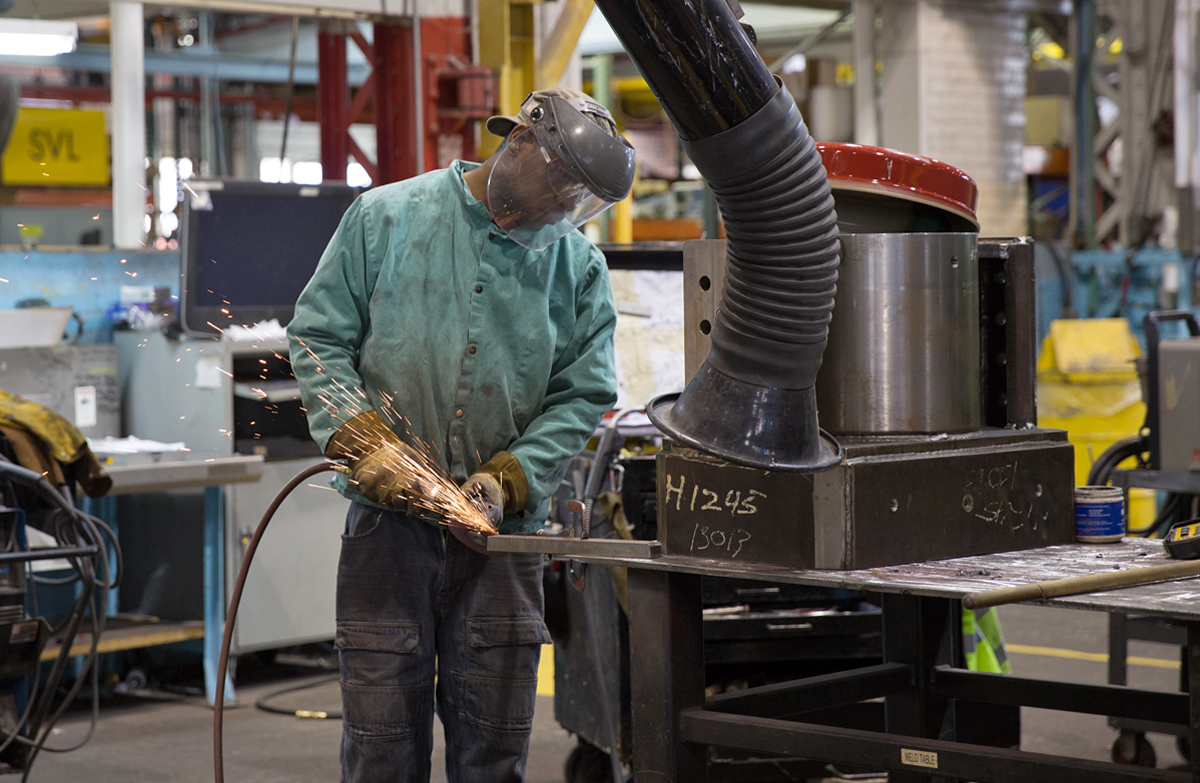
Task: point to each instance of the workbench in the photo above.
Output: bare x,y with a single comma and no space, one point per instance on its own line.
920,679
211,475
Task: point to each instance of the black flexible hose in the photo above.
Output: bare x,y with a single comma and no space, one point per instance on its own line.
231,616
770,184
1113,456
753,399
265,705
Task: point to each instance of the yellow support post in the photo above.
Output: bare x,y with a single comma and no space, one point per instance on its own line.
506,45
560,44
623,220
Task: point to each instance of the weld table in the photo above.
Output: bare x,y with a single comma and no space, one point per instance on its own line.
921,677
210,475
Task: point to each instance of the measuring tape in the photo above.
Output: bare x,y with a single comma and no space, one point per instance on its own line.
1183,540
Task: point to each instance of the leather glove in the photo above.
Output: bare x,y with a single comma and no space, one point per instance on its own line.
374,451
501,484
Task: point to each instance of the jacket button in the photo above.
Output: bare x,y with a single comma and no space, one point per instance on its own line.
458,414
491,236
471,350
479,289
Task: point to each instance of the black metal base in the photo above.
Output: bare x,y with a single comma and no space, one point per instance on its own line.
758,426
921,681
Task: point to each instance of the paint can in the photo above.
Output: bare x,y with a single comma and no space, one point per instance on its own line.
1099,514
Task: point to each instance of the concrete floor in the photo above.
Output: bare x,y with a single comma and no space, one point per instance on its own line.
149,740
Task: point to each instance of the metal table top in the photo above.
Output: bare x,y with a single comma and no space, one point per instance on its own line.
183,474
1179,599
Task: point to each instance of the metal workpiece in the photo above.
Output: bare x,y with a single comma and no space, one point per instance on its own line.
904,345
574,547
891,501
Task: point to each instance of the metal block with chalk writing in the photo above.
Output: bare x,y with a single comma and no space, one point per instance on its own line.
893,500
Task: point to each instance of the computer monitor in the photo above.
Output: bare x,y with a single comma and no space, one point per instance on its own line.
248,248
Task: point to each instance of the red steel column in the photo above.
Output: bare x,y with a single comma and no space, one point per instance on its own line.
333,93
395,108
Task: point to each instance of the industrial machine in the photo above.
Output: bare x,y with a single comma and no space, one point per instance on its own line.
30,703
929,385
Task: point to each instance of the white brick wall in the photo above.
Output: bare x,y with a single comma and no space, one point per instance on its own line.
954,89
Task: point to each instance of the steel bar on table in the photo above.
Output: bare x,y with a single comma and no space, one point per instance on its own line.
887,751
1078,585
1117,701
575,547
815,693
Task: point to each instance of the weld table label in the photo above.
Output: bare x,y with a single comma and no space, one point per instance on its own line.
918,758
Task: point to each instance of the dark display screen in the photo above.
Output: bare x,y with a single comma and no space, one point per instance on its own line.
256,250
251,247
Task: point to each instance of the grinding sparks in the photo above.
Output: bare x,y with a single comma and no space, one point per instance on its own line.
435,491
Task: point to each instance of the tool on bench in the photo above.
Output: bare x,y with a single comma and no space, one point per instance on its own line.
1182,541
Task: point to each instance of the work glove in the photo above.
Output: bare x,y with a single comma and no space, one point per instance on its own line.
501,486
375,452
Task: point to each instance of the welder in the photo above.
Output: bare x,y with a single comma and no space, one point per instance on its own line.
461,312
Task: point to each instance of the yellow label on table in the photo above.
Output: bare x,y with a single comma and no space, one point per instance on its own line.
57,147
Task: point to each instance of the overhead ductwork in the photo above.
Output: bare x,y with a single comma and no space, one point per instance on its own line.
753,400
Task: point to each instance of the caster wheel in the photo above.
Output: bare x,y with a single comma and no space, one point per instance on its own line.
587,764
135,680
1184,746
1134,749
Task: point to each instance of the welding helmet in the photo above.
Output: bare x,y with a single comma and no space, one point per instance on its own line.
561,171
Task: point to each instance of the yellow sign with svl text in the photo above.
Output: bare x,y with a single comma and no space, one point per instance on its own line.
55,147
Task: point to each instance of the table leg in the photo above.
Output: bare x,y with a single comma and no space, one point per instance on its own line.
1118,648
1192,661
666,645
919,632
106,509
214,591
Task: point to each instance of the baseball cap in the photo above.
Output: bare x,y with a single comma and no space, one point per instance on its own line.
500,125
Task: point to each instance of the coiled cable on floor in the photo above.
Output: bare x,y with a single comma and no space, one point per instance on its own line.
265,705
231,616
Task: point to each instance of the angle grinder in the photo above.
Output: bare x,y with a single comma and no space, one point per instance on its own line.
474,539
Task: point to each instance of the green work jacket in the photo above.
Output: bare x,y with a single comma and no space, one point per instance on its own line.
422,306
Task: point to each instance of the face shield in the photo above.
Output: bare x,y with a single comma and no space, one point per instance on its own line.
556,175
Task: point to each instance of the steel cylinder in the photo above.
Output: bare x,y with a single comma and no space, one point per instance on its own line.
903,353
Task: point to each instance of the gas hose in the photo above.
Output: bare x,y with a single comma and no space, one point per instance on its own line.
231,615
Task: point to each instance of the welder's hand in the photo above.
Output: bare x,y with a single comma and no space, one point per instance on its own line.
500,482
382,478
377,459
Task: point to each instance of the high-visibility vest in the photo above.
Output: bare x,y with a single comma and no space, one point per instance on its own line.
983,641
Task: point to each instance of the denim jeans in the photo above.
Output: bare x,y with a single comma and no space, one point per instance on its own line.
412,603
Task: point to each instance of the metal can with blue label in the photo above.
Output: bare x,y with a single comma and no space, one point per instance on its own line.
1099,514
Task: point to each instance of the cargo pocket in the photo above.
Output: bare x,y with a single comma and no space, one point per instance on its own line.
499,688
383,695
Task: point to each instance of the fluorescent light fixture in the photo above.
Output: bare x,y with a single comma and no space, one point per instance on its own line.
37,37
